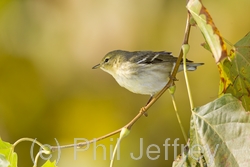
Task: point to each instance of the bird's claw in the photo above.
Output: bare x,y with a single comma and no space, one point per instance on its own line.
143,111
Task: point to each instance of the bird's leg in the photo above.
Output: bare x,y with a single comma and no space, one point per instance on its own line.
149,100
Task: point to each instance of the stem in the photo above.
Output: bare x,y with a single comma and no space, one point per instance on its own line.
114,152
185,48
37,157
29,139
178,118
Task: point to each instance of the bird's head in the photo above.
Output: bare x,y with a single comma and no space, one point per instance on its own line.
111,61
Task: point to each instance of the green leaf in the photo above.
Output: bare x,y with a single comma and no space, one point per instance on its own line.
235,74
49,164
220,132
3,161
7,156
209,30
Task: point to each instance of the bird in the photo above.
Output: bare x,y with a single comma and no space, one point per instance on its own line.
142,72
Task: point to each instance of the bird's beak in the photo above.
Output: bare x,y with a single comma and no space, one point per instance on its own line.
96,66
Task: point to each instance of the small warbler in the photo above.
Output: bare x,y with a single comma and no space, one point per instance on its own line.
142,72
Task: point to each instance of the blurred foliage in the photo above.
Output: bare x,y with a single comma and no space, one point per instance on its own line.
7,156
48,90
49,164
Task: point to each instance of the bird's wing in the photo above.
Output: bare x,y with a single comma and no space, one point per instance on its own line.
149,57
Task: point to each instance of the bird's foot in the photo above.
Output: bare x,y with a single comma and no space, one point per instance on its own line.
143,111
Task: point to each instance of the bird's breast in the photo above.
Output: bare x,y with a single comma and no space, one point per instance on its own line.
143,78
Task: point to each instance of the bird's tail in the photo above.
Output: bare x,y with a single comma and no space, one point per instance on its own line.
192,66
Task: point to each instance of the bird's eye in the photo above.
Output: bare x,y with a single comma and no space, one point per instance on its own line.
106,60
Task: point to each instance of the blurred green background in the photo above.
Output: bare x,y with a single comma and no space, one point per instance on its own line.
48,89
